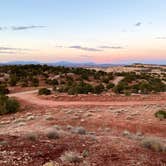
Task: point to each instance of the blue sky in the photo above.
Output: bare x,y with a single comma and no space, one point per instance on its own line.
114,31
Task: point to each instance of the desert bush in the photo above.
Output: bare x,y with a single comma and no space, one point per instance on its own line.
84,88
154,144
31,136
12,105
145,87
127,93
110,86
8,105
71,157
78,88
105,80
3,89
55,82
99,88
35,82
79,130
44,91
24,83
13,80
53,134
161,114
121,87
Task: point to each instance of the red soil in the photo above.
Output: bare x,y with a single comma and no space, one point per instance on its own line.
107,120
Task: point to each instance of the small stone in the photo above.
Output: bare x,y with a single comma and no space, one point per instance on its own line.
139,134
126,133
31,117
82,120
49,118
21,124
51,163
19,120
56,127
69,127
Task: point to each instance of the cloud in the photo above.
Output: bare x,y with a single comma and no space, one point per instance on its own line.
13,49
7,52
161,38
94,49
86,48
3,28
85,56
138,24
59,46
18,28
111,47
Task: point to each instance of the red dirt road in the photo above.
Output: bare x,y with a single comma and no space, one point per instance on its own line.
31,97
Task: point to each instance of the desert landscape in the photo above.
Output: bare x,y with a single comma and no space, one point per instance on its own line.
82,83
94,128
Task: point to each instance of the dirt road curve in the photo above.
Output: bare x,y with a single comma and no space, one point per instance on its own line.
31,97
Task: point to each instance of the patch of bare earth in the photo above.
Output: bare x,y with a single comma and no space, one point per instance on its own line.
104,135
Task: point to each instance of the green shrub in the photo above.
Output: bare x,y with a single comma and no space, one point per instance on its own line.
8,105
13,80
110,86
12,105
161,114
99,88
3,89
24,83
35,82
121,87
44,91
78,88
127,93
52,82
105,80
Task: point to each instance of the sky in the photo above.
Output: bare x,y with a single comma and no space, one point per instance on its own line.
101,31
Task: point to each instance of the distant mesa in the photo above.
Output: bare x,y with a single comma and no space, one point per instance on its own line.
60,63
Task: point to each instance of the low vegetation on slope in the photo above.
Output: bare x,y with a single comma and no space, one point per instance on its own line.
140,83
80,80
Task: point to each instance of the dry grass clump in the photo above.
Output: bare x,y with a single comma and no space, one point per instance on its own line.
57,127
154,143
31,136
79,130
51,163
3,143
53,134
71,157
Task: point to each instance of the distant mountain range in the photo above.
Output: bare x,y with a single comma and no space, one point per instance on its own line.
61,63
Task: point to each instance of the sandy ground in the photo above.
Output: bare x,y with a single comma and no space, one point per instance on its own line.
104,122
